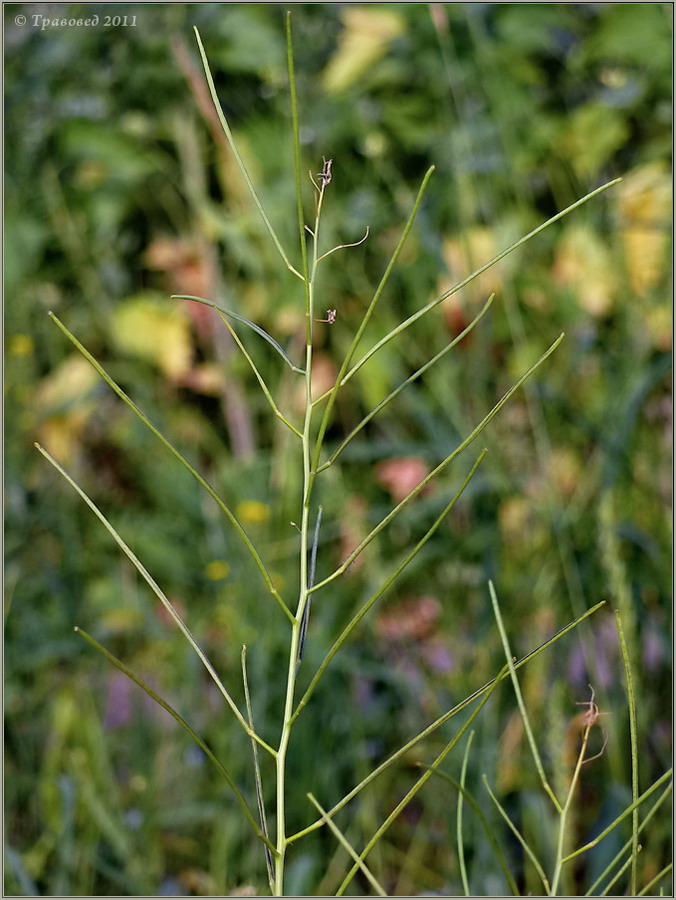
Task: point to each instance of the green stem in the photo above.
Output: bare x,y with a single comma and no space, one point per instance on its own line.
660,875
287,721
633,737
487,828
629,843
348,846
616,878
331,394
269,863
266,391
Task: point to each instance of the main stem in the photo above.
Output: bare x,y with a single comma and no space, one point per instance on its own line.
303,590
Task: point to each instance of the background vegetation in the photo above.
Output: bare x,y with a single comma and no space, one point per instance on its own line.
119,192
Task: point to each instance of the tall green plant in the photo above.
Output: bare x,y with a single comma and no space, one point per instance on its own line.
309,434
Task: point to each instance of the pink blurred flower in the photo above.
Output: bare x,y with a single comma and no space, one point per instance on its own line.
400,476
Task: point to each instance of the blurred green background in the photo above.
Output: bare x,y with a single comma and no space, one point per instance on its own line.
120,191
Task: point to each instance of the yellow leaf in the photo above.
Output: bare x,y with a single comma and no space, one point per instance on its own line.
156,330
62,434
644,201
68,385
366,35
63,399
583,263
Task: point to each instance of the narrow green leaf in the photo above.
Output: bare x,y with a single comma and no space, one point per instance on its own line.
252,325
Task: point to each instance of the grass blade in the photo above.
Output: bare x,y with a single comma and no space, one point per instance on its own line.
431,305
440,468
238,158
181,721
519,698
233,315
345,633
461,845
383,403
296,161
484,821
520,838
269,862
445,717
424,778
633,737
159,594
196,475
373,881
